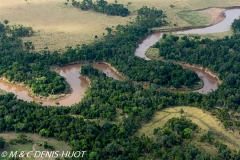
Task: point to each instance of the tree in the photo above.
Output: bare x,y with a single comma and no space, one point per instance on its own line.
172,6
93,155
113,147
6,21
129,3
187,132
181,111
109,30
2,142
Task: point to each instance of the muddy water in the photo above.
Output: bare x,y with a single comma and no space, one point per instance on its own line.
107,70
210,82
71,73
146,43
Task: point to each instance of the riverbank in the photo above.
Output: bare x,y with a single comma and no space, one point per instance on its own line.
214,14
182,89
154,56
206,70
115,70
76,84
208,77
63,95
121,75
183,64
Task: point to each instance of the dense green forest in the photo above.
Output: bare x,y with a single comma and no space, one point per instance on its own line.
106,141
20,63
102,6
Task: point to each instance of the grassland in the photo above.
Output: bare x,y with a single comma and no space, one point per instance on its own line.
58,145
217,35
2,91
152,53
202,118
58,25
195,18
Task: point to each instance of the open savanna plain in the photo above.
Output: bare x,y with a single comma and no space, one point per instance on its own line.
57,25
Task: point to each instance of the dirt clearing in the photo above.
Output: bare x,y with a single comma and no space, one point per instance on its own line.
215,15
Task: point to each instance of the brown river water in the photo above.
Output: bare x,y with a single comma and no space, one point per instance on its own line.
71,73
80,84
210,82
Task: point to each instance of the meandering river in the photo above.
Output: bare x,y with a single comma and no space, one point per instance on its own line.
71,73
210,82
79,84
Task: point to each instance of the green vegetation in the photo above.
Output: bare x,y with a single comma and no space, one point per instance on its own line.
2,142
31,142
21,139
21,66
211,54
176,139
236,25
118,141
19,147
206,122
194,18
2,91
34,71
102,6
47,146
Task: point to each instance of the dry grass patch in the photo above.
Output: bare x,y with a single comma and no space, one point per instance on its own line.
202,118
58,25
119,116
